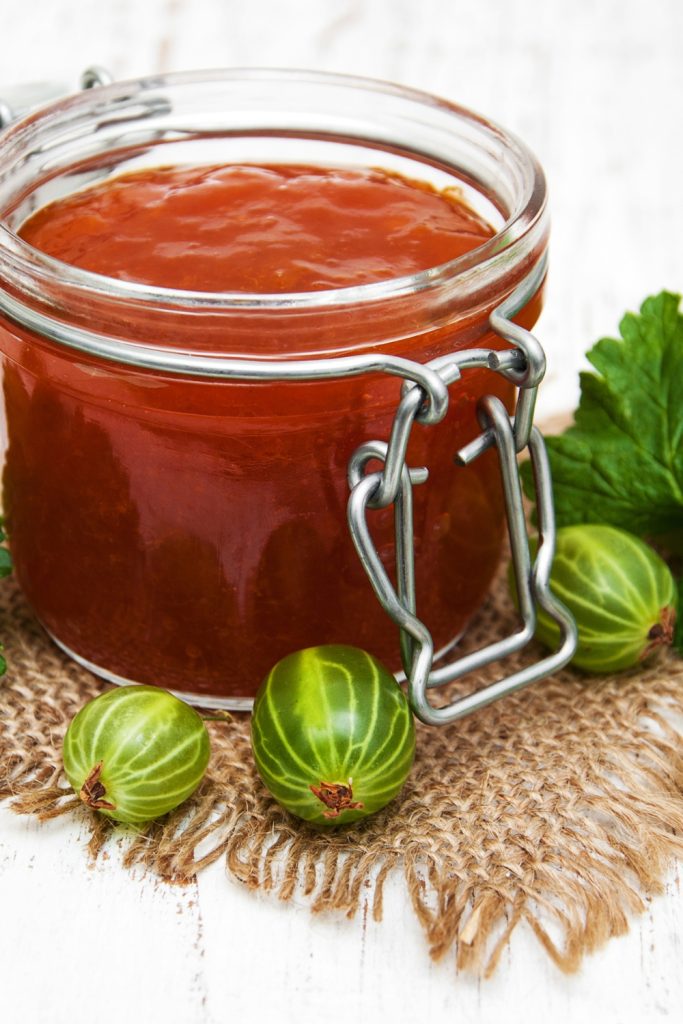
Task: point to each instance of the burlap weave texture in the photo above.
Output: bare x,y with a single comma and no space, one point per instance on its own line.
561,806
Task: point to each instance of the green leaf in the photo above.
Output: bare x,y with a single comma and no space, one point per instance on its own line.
5,562
678,634
622,461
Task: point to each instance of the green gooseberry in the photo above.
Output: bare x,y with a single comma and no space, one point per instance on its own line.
135,753
620,592
332,734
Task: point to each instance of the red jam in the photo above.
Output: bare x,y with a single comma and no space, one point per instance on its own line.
257,229
190,533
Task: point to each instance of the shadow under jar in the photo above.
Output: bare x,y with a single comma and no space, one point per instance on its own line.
174,525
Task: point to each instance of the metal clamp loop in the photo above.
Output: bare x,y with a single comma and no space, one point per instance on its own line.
91,78
95,76
7,115
524,365
393,455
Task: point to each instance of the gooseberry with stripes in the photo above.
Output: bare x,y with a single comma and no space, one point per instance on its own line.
332,734
135,753
621,593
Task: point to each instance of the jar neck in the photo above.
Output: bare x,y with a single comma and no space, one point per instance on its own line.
93,135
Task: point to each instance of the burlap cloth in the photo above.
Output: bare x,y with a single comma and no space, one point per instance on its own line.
560,806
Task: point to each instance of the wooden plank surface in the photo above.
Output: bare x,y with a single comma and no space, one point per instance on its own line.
80,943
596,89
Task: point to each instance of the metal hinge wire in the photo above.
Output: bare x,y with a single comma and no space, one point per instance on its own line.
524,365
95,76
92,77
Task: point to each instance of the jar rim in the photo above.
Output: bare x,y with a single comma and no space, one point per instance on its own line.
500,247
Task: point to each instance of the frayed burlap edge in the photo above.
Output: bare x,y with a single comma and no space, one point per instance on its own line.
560,807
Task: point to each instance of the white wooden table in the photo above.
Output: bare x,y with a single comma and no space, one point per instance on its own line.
596,88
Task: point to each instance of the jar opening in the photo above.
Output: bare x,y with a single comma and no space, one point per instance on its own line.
185,118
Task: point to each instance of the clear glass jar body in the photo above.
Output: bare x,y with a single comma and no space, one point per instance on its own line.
187,530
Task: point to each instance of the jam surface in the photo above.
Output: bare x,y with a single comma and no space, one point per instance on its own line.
258,229
190,533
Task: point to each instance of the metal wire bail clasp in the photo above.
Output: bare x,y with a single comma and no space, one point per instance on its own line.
525,366
33,95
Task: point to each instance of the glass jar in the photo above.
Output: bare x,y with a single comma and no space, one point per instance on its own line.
174,521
